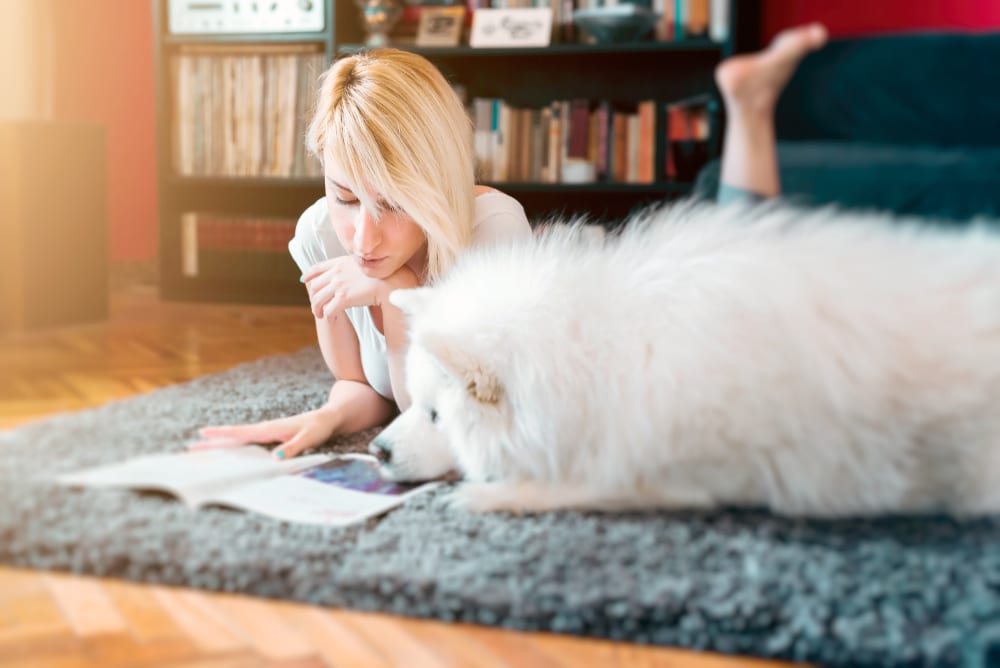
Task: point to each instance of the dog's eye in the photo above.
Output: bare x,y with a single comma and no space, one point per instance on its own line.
434,415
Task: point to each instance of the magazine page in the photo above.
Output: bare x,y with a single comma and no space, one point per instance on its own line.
344,490
191,476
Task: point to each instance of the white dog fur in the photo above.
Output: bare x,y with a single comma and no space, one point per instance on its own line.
811,361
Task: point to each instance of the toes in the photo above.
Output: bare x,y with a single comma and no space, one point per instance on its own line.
796,42
817,35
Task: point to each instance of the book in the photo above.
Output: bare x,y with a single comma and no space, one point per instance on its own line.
328,490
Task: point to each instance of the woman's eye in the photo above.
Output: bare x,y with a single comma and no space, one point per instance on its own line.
433,415
346,202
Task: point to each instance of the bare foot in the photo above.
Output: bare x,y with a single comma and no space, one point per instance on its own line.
755,80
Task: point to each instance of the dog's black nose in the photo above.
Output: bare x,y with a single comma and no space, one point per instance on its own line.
381,451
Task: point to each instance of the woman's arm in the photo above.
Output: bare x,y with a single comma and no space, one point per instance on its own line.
339,344
394,326
352,405
339,284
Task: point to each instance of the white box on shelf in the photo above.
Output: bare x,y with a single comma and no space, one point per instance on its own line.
511,27
201,17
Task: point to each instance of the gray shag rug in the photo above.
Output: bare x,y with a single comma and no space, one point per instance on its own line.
900,592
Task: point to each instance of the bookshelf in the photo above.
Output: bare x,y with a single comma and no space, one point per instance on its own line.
622,74
226,197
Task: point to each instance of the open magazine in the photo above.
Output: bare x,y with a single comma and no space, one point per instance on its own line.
332,490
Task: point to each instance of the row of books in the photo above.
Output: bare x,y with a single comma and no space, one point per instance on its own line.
580,141
554,144
243,114
685,19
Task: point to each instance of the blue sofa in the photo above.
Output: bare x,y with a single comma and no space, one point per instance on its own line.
908,123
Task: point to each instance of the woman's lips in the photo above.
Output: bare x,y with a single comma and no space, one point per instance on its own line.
370,261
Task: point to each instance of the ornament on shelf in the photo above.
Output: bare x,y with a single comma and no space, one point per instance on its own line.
379,17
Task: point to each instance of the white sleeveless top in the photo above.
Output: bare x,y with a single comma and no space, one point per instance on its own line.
498,217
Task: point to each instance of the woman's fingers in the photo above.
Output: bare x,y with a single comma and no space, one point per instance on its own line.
334,305
216,443
317,270
321,299
296,434
296,445
270,431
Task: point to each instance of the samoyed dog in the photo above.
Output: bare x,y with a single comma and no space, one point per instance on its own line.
811,361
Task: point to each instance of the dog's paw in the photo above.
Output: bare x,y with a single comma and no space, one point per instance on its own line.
482,497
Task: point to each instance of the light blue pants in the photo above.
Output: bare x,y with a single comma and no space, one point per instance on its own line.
729,194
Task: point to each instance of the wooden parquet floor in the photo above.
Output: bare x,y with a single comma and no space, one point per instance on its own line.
55,620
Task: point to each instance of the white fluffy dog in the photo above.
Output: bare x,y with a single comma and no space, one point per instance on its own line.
813,362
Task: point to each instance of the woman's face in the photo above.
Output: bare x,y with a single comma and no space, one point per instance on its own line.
382,246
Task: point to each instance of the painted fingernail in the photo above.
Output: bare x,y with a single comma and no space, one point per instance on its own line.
280,454
302,279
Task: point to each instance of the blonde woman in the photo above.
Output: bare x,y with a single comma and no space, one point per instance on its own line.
401,204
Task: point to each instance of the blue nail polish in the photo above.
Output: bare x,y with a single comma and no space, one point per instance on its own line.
302,279
280,454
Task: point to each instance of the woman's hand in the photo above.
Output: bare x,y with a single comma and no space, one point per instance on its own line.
339,283
295,434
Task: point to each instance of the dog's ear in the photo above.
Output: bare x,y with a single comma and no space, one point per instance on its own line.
410,300
480,379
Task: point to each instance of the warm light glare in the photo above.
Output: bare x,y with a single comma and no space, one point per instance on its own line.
26,77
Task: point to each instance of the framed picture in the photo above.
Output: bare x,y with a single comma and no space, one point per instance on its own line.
511,27
440,26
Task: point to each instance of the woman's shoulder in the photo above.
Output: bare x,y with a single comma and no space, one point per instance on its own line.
498,217
314,239
315,212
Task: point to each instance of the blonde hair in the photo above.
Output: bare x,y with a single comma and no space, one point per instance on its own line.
390,120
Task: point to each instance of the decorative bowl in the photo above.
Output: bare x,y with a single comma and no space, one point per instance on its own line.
618,23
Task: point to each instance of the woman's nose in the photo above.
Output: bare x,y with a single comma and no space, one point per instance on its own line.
366,232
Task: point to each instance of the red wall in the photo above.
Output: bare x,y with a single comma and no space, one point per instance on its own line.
864,17
104,74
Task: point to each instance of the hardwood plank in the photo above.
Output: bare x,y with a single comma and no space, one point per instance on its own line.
235,660
27,609
337,643
576,651
121,650
27,639
56,643
145,618
267,632
85,605
201,621
394,639
501,649
50,660
510,648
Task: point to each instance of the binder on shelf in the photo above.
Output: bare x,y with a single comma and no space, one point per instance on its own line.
209,235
